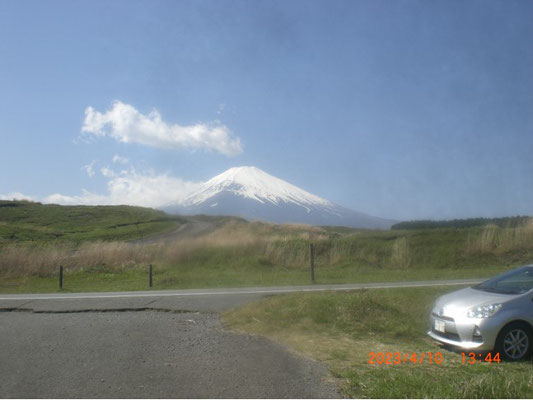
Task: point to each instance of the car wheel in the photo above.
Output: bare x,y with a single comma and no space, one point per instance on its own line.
515,341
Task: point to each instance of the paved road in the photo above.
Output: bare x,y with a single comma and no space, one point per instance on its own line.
151,344
147,355
209,300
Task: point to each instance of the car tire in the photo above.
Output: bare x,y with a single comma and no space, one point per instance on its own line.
515,341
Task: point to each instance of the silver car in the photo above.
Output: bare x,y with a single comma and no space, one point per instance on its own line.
494,315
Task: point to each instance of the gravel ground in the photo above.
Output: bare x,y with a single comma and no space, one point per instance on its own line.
146,354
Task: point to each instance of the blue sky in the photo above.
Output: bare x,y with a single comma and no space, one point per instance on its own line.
400,109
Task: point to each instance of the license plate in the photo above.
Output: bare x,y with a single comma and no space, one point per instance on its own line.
440,325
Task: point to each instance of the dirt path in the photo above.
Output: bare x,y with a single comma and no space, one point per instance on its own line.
192,228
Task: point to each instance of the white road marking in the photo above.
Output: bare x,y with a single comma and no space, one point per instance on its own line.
243,291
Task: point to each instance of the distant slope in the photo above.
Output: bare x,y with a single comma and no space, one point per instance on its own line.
22,221
251,193
504,222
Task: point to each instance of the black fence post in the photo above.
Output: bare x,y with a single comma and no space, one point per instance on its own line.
312,261
60,277
150,275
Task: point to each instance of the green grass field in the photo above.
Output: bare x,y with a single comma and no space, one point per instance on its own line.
341,329
28,222
90,243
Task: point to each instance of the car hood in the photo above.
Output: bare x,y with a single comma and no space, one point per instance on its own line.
467,298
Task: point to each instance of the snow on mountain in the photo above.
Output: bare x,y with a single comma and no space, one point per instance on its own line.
255,184
251,193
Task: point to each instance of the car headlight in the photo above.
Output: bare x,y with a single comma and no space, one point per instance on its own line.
484,311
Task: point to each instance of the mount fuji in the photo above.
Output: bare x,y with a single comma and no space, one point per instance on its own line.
253,194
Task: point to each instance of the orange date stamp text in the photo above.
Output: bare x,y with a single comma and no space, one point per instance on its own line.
396,358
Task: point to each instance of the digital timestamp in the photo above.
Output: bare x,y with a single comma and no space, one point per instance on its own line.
390,358
473,358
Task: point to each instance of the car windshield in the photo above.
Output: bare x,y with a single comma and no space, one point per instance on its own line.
513,282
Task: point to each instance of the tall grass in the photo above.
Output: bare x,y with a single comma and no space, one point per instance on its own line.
401,256
43,259
24,260
286,247
494,239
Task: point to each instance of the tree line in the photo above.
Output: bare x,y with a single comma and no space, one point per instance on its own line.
505,222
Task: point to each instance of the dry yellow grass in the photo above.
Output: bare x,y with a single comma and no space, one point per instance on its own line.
23,260
494,239
400,257
285,246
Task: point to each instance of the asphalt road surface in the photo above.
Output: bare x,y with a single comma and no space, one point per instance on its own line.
147,354
151,344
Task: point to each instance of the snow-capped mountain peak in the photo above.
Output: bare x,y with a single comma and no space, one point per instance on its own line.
251,193
253,183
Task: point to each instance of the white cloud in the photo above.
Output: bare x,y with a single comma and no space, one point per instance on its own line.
120,160
130,187
86,198
89,168
127,125
15,196
107,172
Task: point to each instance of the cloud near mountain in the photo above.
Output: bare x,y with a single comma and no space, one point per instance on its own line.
126,124
130,187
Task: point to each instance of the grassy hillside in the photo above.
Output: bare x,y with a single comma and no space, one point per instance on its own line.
241,253
23,221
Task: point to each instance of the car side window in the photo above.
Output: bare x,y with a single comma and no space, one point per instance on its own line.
520,282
